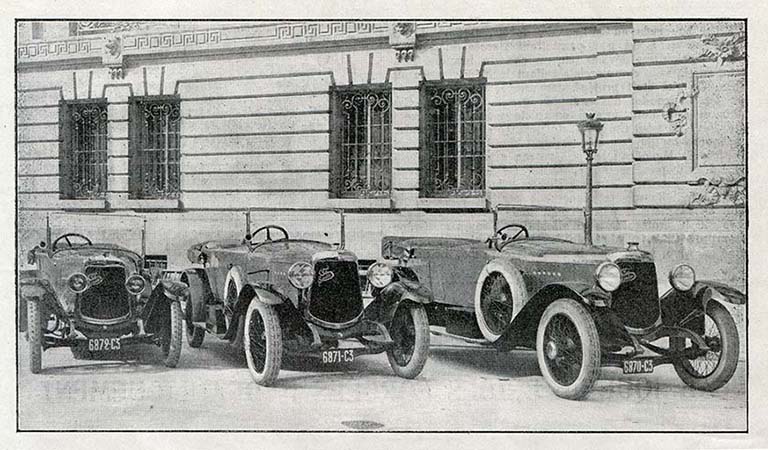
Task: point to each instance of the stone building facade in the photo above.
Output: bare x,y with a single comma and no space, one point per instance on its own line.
191,123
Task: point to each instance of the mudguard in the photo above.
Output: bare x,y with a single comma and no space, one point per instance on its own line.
32,289
256,293
174,290
199,293
677,306
522,329
382,308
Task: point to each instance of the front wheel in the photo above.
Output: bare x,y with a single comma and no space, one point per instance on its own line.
35,333
410,335
171,341
568,349
263,343
714,369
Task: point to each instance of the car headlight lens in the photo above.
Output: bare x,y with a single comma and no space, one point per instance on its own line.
379,274
682,277
135,284
301,275
608,276
78,282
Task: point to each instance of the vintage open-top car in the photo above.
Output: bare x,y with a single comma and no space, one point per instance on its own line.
271,294
579,306
97,299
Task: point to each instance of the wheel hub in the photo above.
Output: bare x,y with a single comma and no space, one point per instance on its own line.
551,350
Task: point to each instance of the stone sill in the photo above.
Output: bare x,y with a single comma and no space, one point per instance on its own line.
361,203
162,204
83,205
479,203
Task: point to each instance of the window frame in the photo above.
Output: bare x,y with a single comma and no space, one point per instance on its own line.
136,130
66,188
336,179
426,181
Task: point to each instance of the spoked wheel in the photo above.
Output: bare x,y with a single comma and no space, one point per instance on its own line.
496,306
35,333
568,349
263,343
712,370
229,303
410,333
171,336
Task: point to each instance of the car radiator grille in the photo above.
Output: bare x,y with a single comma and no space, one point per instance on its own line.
335,295
636,301
108,299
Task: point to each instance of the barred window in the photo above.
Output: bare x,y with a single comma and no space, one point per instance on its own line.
83,149
154,147
361,141
452,157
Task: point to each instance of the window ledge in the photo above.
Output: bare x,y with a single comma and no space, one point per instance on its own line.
164,204
453,203
361,203
84,204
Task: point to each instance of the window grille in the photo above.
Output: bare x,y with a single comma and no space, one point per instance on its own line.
453,139
361,155
154,158
83,158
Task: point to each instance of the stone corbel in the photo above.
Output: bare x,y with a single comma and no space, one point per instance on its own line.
113,56
676,112
402,38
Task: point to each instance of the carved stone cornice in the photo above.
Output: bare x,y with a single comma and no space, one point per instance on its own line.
402,38
730,190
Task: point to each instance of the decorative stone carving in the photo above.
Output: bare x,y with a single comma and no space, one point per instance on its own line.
727,190
721,49
402,38
110,26
113,57
676,112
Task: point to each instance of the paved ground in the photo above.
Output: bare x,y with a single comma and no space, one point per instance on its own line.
461,388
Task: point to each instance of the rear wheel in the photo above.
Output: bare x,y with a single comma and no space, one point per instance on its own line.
263,343
35,333
410,333
171,340
714,369
568,349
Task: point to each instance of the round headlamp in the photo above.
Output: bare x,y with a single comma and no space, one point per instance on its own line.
682,277
78,282
135,284
380,275
301,275
608,276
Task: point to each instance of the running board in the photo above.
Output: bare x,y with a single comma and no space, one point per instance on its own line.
468,340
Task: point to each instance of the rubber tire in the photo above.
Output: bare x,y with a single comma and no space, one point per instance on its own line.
274,344
35,333
172,354
195,335
729,356
590,341
420,348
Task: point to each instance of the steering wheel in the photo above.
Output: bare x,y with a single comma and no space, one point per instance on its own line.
66,237
268,229
501,239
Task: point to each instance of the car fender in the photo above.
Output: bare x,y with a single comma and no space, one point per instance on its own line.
676,305
388,299
254,292
173,290
32,289
522,330
200,293
516,285
237,275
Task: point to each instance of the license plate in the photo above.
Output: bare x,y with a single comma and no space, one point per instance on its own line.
638,366
338,356
103,344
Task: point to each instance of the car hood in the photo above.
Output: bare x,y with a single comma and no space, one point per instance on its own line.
547,246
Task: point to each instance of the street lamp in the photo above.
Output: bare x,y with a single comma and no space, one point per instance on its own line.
590,133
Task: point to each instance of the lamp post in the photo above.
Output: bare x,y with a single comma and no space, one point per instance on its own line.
590,133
